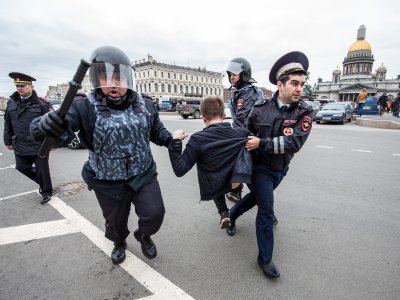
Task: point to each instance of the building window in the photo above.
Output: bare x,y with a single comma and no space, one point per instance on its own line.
180,76
191,88
186,77
197,89
162,74
148,73
181,89
156,87
174,75
155,73
162,87
175,89
169,87
149,87
169,75
187,88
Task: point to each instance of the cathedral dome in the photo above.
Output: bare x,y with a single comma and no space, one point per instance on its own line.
360,45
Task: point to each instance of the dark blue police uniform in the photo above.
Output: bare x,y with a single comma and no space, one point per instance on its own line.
282,131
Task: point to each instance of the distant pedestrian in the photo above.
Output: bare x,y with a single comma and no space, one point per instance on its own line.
24,106
396,106
382,103
362,96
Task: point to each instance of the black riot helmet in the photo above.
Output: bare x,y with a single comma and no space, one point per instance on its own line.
240,66
111,67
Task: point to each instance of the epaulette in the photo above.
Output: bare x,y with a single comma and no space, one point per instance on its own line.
260,102
304,105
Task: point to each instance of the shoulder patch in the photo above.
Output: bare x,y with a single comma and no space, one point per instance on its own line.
306,123
240,104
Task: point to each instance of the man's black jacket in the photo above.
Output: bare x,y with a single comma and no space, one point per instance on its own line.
220,155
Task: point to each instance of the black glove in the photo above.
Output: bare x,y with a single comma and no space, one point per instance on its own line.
51,124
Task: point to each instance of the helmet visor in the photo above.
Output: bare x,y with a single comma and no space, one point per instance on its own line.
111,75
235,67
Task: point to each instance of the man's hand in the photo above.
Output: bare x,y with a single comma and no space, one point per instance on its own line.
179,135
252,143
51,124
9,147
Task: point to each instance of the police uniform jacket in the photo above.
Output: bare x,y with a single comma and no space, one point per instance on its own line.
241,104
17,119
82,117
282,133
220,155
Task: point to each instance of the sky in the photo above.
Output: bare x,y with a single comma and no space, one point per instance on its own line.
47,39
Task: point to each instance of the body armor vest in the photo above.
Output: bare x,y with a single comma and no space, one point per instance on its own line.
121,141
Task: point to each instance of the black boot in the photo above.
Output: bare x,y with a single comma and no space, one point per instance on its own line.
118,253
231,230
148,247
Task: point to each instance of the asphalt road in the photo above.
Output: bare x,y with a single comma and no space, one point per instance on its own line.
338,236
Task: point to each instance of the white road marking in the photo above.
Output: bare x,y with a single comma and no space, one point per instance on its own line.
17,195
6,168
328,147
396,154
1,154
35,231
358,150
157,284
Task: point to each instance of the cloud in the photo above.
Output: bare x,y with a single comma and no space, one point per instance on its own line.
47,39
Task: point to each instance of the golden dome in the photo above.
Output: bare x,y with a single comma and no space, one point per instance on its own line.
360,45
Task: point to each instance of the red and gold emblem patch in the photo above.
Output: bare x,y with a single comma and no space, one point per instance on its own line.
287,131
306,123
240,103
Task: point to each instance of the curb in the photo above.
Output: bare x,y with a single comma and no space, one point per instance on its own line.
386,124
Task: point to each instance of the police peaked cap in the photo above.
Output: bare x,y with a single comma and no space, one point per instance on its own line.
292,62
21,79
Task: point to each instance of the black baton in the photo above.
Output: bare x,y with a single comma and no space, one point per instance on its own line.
74,86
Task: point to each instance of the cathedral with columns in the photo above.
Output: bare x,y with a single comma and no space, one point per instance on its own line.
357,73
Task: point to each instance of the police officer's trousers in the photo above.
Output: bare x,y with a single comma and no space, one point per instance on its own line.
149,208
264,182
37,169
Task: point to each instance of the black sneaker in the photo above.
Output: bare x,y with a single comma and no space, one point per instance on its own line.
148,247
233,196
231,230
45,199
225,220
118,253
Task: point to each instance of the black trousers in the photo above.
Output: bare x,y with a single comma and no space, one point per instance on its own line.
220,203
37,169
149,207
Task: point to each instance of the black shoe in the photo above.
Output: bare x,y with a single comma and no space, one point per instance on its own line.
225,220
231,230
45,199
268,268
118,253
275,221
148,247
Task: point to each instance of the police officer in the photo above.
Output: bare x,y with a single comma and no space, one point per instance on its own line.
116,124
242,101
25,105
280,126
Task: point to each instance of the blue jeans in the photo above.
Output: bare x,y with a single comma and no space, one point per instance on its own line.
264,182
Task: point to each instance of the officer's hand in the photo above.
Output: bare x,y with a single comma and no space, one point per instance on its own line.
252,143
179,135
9,147
51,124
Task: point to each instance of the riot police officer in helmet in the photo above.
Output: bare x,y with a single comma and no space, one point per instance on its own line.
242,101
116,124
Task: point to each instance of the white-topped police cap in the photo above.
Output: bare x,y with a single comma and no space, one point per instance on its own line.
292,62
21,79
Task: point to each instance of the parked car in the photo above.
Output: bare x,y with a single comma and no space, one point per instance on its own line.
370,107
189,108
314,107
227,110
336,112
165,105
